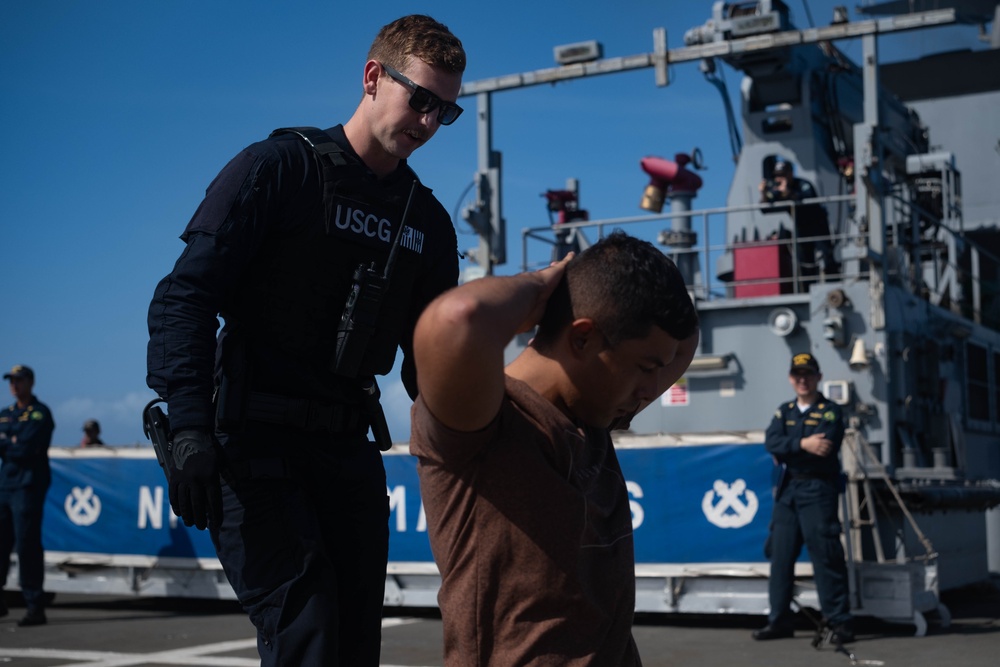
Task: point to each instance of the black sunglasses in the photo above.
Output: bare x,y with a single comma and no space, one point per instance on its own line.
424,101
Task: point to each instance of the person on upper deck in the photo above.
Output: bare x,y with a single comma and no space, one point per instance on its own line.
812,225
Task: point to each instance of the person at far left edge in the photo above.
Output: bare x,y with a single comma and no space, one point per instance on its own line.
25,435
269,423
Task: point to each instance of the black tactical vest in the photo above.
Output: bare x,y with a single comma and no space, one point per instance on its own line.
300,283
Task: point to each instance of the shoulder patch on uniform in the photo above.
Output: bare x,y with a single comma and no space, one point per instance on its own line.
37,415
777,413
829,416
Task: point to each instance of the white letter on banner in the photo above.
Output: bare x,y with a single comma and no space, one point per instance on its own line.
637,512
422,520
397,500
151,507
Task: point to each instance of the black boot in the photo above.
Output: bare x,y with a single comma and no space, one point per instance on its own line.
771,631
842,633
35,616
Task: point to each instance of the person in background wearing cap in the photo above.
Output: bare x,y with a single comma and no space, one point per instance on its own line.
804,438
91,434
25,435
810,219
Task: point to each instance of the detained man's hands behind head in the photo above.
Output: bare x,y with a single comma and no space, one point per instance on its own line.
549,278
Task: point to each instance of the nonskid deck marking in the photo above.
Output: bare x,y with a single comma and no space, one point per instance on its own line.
197,656
112,659
194,655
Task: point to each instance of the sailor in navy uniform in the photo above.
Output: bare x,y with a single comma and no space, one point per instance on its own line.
25,435
804,437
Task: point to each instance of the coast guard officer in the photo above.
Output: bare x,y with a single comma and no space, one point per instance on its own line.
279,405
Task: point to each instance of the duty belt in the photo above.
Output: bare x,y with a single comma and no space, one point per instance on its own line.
305,414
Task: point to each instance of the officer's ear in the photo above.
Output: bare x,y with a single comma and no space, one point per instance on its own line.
372,72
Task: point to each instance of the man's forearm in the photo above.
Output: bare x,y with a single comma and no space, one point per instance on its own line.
495,309
460,339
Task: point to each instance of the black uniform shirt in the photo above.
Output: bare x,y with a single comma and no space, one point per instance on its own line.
262,254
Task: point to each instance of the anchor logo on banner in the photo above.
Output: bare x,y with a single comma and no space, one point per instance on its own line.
83,506
731,511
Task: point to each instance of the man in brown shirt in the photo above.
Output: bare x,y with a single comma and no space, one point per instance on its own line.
527,511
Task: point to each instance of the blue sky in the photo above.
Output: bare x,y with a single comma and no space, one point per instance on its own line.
119,113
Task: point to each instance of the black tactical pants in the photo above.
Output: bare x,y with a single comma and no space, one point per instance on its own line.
304,542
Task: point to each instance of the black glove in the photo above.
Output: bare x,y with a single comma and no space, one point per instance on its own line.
195,487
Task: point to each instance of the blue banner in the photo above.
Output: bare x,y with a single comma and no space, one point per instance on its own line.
699,504
690,504
116,504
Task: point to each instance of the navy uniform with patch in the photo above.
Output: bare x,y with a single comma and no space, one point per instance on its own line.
790,425
805,512
304,535
25,477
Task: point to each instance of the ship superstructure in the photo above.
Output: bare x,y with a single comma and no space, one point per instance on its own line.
903,311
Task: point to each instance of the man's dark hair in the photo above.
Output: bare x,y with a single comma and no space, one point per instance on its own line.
626,286
418,36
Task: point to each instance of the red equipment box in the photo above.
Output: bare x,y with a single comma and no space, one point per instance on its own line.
760,261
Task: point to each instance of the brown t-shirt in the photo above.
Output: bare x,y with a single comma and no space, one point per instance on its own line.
530,526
